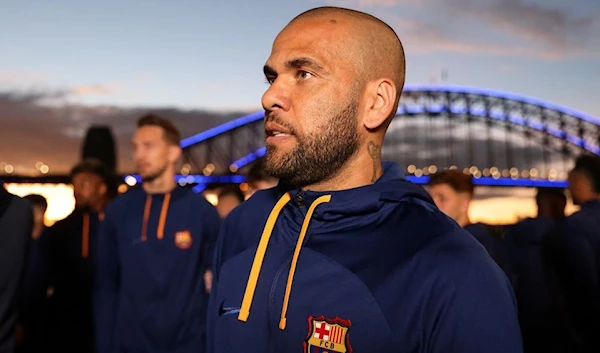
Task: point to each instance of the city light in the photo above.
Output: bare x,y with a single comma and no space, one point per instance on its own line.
130,180
59,196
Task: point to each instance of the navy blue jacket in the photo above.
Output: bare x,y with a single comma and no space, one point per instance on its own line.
581,244
72,252
152,254
493,244
372,269
34,311
540,321
16,221
581,235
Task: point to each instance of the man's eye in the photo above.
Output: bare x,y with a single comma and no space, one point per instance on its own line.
304,75
269,80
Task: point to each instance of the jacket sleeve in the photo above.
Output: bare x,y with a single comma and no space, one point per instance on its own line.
106,289
475,313
213,305
580,284
212,228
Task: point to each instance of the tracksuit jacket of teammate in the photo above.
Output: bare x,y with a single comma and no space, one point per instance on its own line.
372,269
152,253
72,254
581,245
16,221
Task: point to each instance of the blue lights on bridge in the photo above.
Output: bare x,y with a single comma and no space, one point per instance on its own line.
205,135
247,159
223,128
536,125
202,181
503,95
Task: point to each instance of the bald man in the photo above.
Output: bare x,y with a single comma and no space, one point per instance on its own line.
345,255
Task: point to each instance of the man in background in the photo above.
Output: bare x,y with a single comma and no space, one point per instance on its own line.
16,223
34,302
229,197
579,244
72,254
452,191
153,250
539,321
258,179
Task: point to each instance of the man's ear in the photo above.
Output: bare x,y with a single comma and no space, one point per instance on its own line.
103,189
380,98
174,153
465,202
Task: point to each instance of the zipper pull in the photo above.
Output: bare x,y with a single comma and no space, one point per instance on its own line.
300,198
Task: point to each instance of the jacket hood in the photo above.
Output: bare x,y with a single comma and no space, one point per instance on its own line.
298,210
347,208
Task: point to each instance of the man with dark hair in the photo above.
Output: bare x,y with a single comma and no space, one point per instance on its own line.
539,321
551,203
452,191
170,132
580,241
72,253
154,248
258,179
345,255
16,222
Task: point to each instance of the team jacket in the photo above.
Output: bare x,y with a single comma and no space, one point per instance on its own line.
372,269
152,254
72,252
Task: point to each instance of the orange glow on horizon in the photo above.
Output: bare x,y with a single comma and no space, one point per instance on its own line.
59,196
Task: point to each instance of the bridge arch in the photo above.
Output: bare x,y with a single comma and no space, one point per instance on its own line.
438,126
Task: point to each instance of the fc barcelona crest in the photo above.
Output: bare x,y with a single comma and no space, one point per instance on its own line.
327,335
183,239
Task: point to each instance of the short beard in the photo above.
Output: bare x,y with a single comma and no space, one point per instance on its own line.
150,178
317,157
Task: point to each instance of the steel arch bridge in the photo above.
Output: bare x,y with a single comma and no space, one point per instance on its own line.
501,138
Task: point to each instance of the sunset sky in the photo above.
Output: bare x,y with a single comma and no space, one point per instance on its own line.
65,65
209,54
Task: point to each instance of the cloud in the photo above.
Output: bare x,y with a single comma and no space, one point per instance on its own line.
33,130
420,37
100,89
17,77
503,27
557,28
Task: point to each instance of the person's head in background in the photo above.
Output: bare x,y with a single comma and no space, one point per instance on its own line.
551,202
156,152
39,205
230,197
584,179
258,179
452,192
92,186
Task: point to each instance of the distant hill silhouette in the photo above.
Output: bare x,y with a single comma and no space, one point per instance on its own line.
33,129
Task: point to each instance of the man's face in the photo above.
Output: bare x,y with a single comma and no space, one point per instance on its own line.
151,152
311,105
449,201
88,188
579,187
